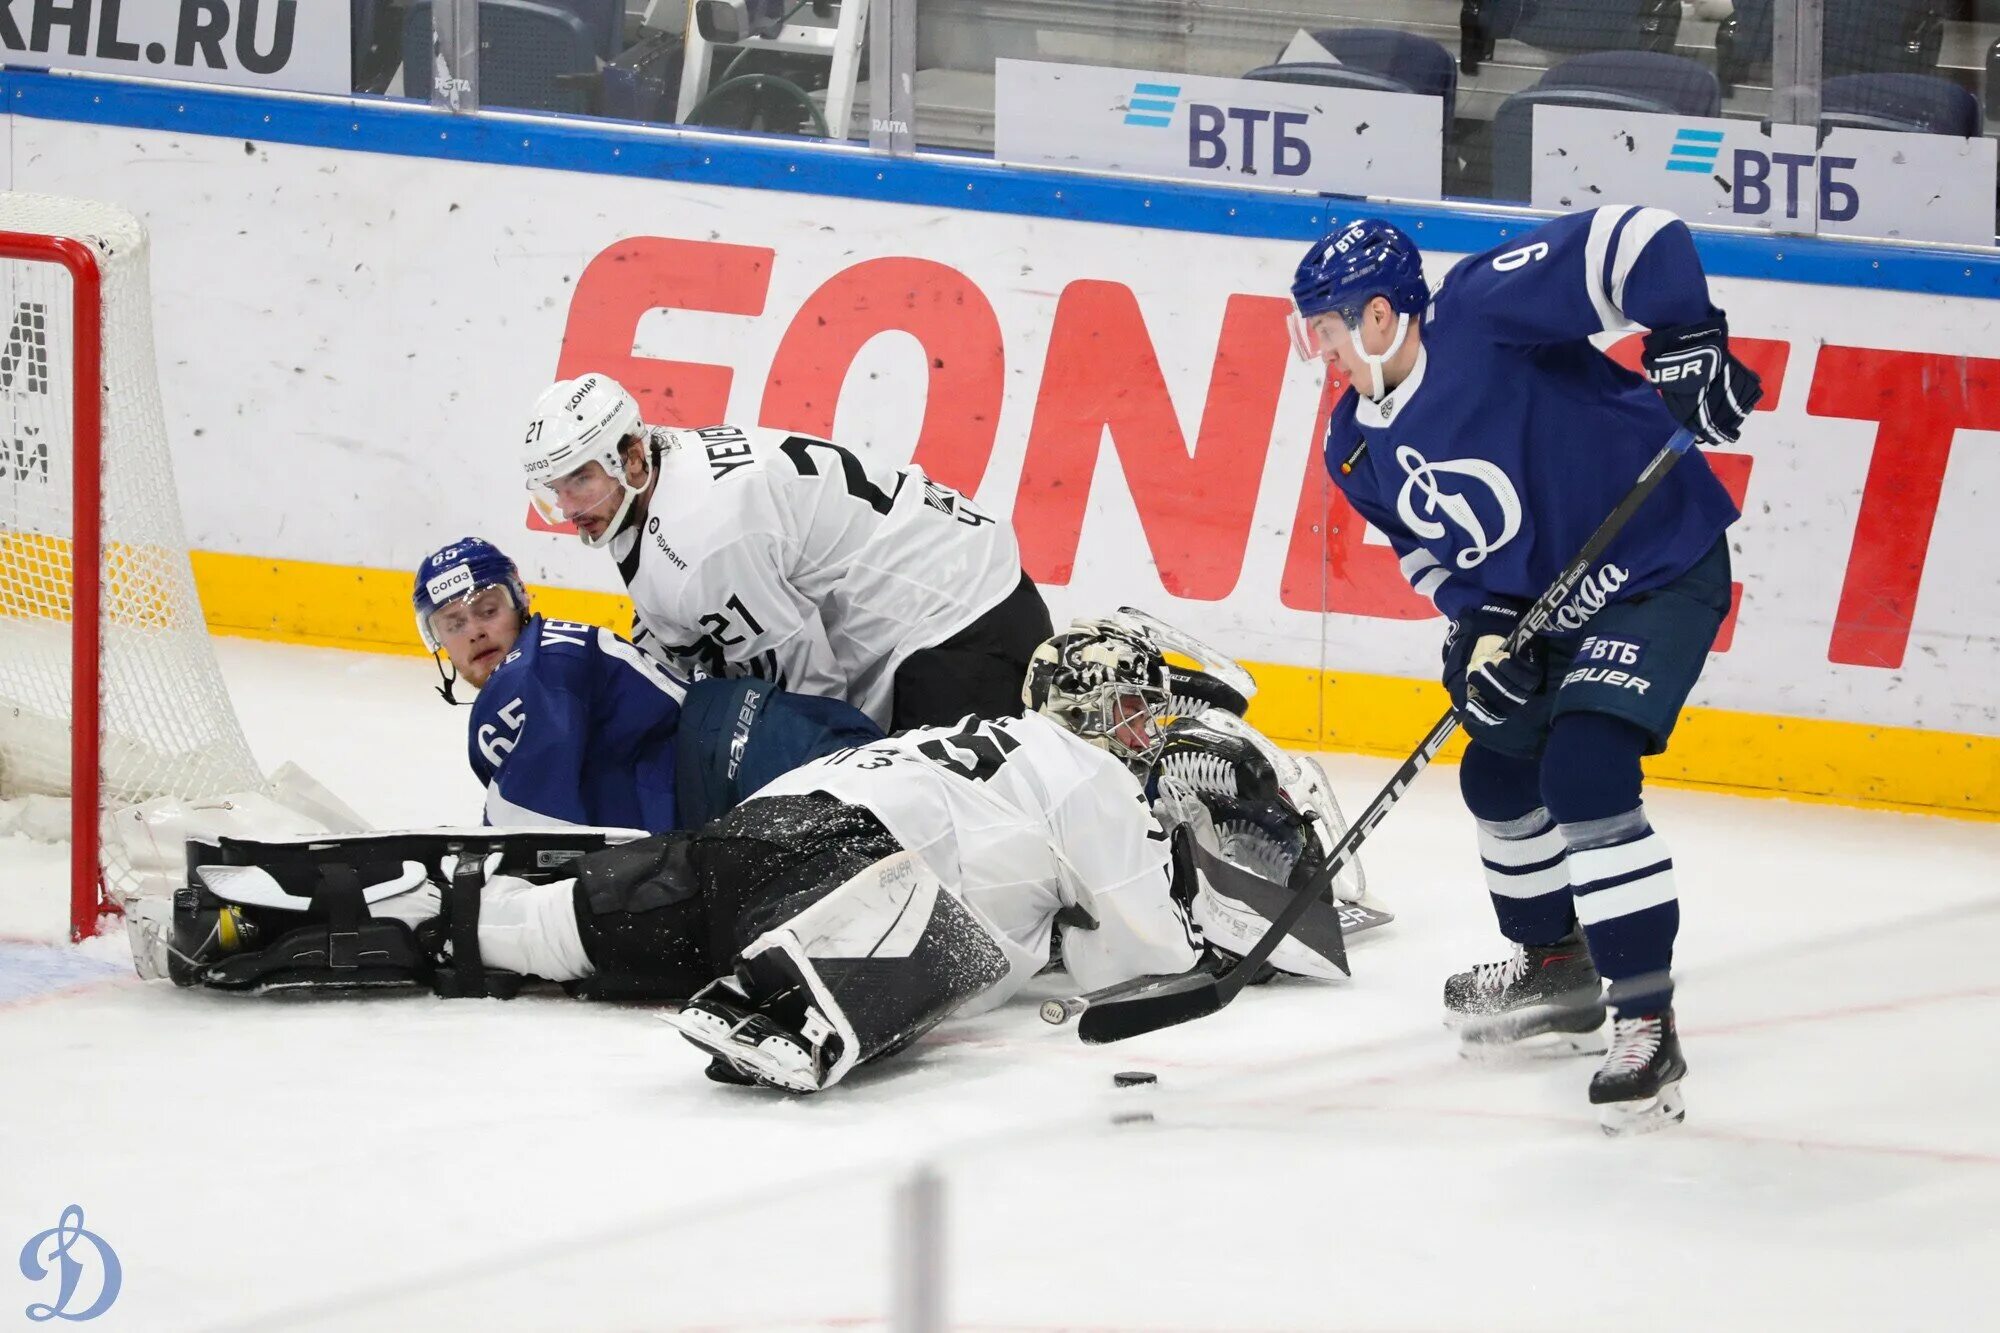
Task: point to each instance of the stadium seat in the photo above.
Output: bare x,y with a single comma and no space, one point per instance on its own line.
1909,103
1418,64
643,81
1376,59
1861,37
1566,25
1611,80
605,19
375,48
532,57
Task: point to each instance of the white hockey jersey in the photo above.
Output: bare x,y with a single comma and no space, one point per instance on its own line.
1020,820
790,558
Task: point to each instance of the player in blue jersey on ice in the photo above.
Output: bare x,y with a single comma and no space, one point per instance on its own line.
573,725
1487,437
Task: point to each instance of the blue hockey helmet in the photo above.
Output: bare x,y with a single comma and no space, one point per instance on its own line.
1345,270
1351,265
459,571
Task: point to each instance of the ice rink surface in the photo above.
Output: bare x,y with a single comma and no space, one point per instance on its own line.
1316,1158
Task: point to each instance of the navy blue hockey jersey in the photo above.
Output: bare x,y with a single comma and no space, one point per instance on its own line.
1513,437
577,726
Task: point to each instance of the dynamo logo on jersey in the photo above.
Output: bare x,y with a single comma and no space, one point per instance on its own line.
1430,507
1152,105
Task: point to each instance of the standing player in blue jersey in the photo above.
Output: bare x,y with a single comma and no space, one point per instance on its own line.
573,725
1487,437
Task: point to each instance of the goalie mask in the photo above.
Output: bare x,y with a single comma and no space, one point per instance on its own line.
572,455
1105,684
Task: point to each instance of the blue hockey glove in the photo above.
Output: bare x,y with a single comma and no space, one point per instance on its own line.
1708,390
1487,685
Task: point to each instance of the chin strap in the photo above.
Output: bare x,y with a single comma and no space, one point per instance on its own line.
1375,363
445,681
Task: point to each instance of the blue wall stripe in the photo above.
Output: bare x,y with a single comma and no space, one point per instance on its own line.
952,181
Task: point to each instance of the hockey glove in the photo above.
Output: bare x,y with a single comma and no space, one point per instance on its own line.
1708,390
1489,686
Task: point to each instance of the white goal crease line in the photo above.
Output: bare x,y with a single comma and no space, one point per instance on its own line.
886,1175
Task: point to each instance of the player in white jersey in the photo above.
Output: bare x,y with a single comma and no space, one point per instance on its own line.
847,907
767,553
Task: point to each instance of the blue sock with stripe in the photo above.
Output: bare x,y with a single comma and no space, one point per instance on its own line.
1621,874
1519,845
1528,877
1623,879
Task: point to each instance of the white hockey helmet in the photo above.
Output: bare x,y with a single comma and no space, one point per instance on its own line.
576,423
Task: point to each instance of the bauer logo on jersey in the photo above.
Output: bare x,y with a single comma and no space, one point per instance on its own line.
454,582
1468,502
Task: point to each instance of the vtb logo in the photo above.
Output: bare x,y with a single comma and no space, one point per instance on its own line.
1695,150
1749,177
1152,104
1210,144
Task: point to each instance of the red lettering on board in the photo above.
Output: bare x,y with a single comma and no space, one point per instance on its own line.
1330,566
1769,358
1102,377
955,327
640,274
1919,401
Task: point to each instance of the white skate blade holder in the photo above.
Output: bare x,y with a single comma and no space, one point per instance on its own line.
705,1031
1621,1120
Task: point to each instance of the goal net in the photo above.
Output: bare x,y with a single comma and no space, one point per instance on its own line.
109,689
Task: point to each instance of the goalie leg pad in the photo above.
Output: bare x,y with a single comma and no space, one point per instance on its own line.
865,970
331,940
292,912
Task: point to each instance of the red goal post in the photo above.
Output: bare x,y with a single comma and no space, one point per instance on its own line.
109,689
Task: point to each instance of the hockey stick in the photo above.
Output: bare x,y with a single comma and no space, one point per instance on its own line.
1197,994
1354,918
1060,1009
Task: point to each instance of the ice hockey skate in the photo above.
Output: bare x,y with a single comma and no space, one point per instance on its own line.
1638,1087
1543,1000
752,1044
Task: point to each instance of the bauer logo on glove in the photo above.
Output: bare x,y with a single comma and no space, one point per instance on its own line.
1706,388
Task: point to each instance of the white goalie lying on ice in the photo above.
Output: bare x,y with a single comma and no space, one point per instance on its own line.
848,906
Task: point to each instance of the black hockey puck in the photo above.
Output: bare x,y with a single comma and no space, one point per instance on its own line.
1134,1078
1133,1118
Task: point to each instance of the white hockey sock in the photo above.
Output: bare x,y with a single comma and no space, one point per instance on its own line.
531,929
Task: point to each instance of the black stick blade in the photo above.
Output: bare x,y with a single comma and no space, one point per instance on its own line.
1185,998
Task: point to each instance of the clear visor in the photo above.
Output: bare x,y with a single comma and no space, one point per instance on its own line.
462,617
588,492
1318,337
